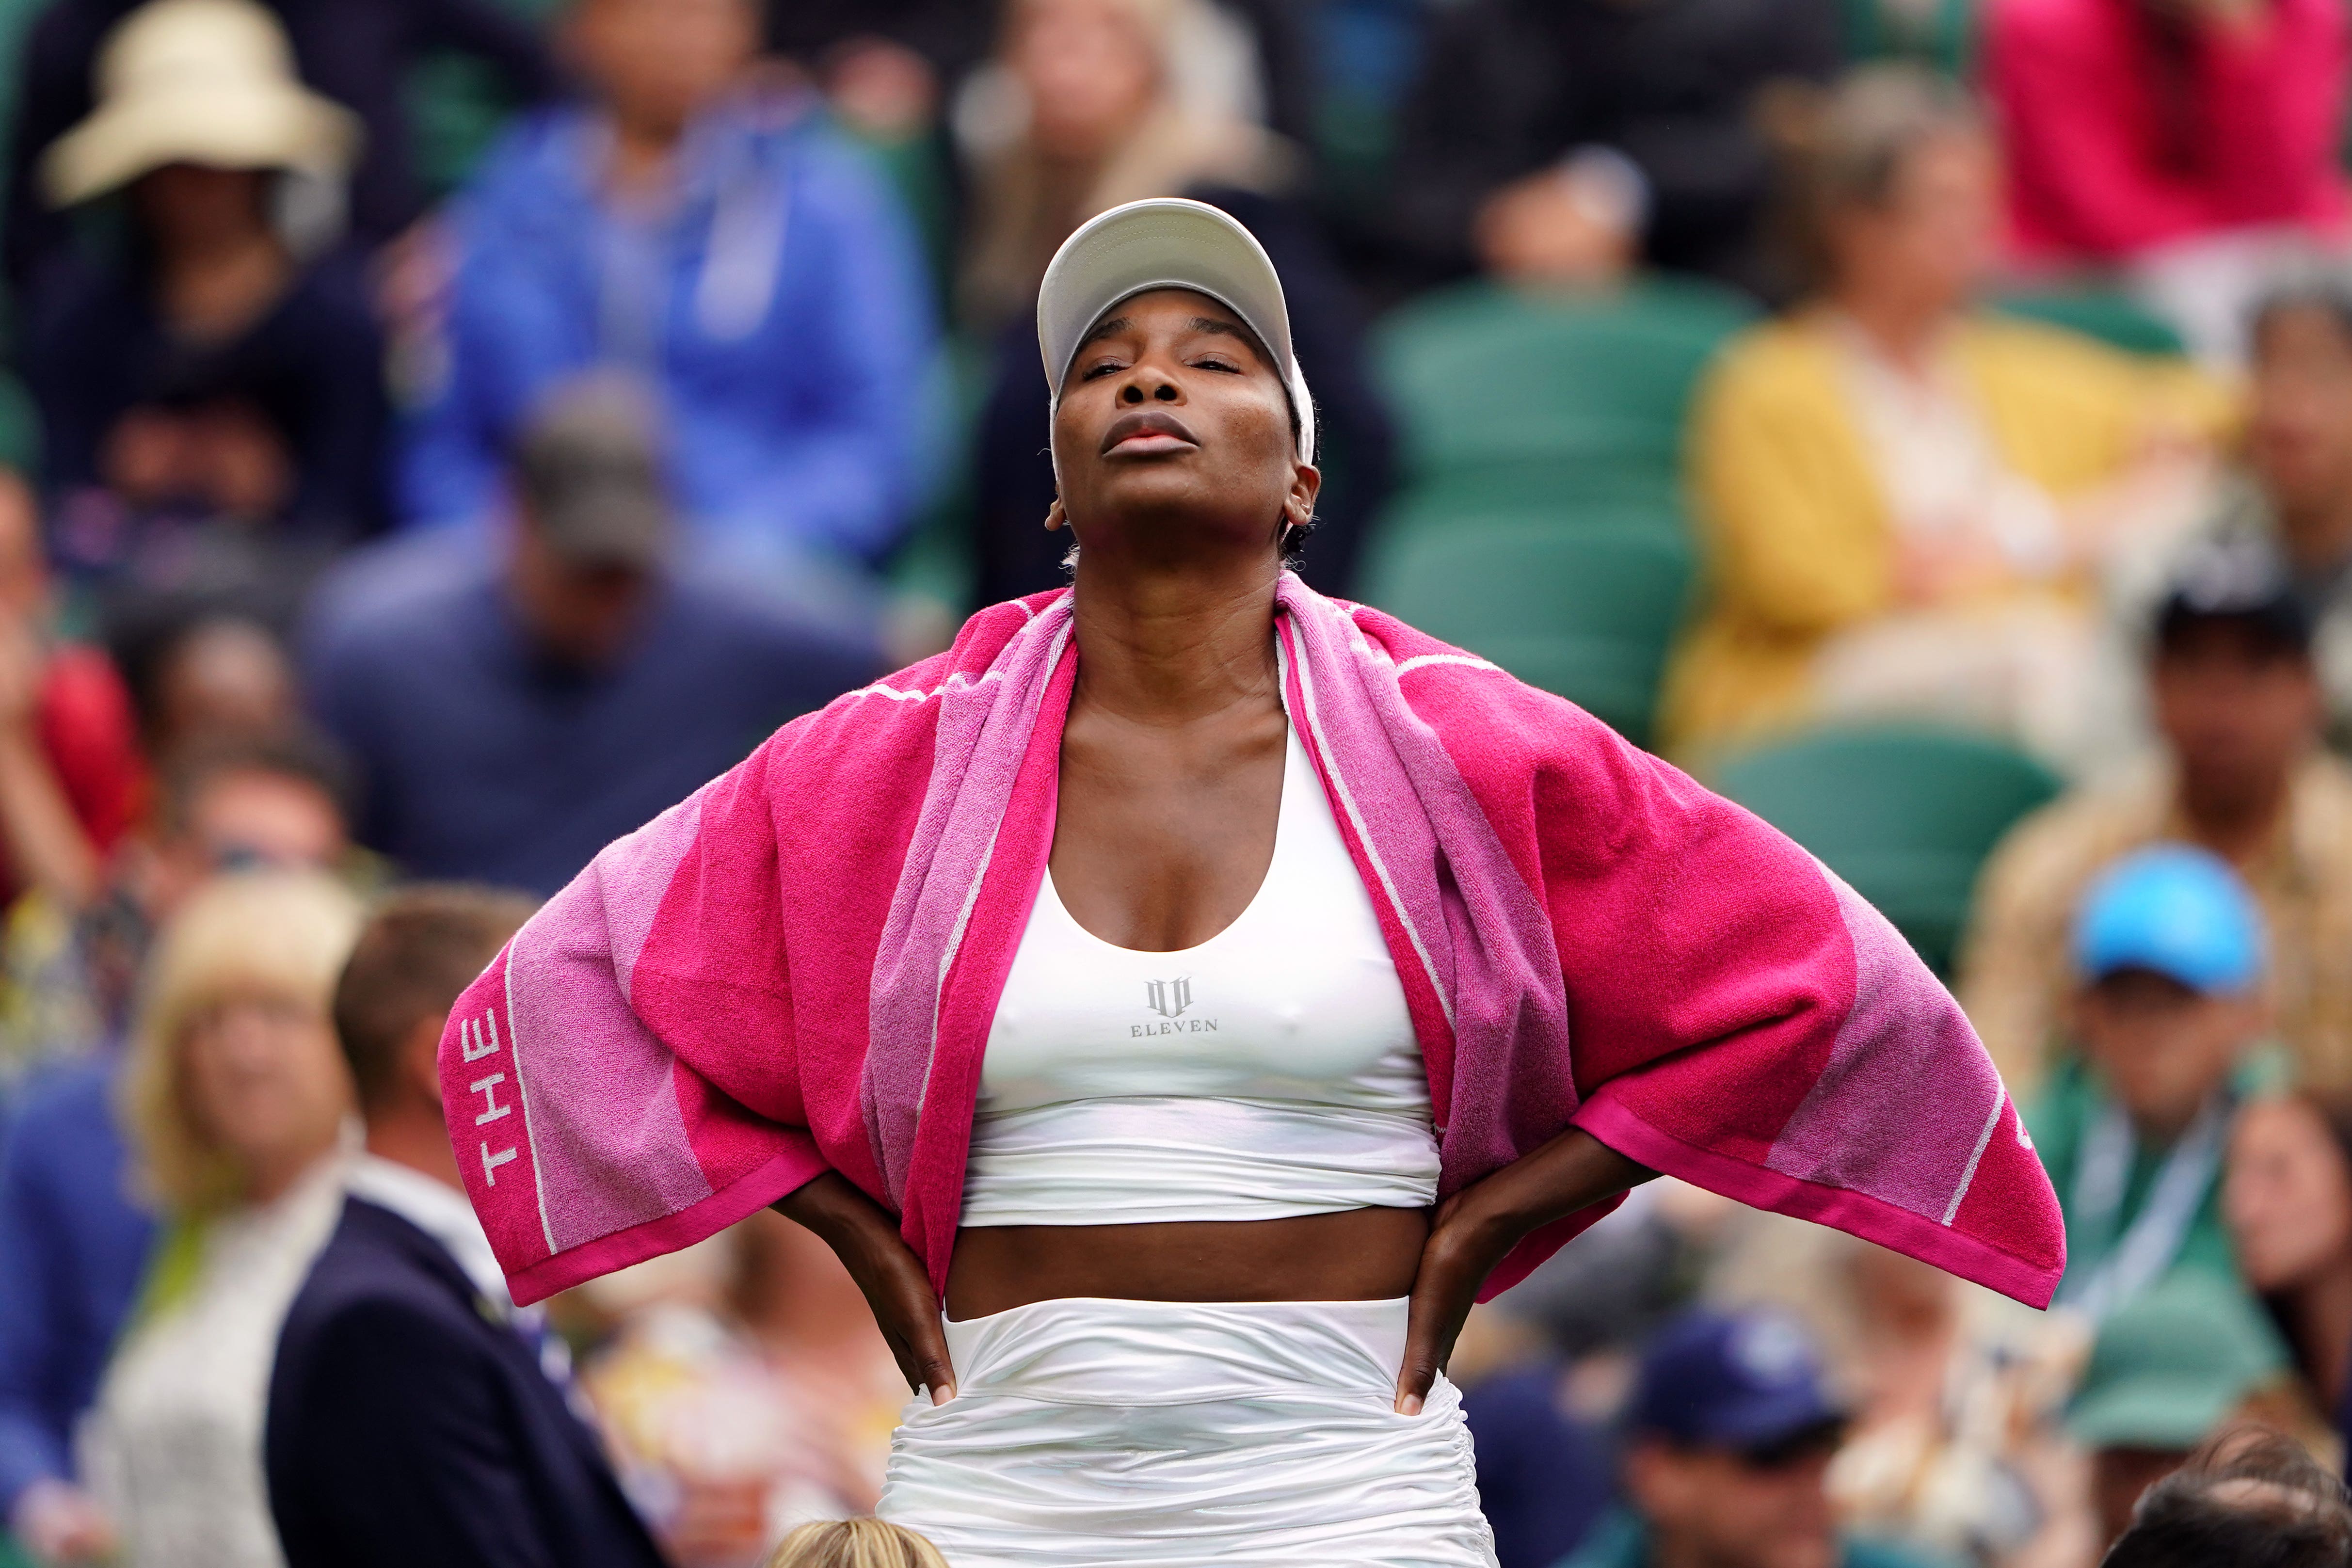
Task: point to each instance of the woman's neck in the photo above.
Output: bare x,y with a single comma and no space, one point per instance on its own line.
1900,326
219,288
644,157
2319,537
276,1177
2319,1316
1170,646
2237,822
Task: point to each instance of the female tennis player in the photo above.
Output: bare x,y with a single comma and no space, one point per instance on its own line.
1178,1003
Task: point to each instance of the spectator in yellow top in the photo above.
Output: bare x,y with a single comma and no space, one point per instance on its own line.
1901,495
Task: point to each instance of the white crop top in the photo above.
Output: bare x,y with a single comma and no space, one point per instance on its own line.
1270,1071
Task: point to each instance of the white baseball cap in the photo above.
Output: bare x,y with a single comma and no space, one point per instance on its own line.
1167,242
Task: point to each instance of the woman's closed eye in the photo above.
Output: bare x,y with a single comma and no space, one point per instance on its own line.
1102,368
1219,362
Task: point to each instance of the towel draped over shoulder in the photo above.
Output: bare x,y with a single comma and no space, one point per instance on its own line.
795,970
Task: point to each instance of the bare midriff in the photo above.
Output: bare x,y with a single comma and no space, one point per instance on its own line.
1356,1254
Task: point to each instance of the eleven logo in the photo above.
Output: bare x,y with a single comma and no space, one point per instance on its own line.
1169,998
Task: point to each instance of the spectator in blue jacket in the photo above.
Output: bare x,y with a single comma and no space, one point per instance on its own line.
720,238
72,1248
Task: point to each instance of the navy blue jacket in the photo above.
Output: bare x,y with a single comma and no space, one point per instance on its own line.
480,761
72,1251
410,1423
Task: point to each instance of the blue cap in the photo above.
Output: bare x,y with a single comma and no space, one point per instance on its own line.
1746,1379
2175,910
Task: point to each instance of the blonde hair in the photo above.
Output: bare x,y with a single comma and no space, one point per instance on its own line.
855,1543
1852,149
1203,126
284,933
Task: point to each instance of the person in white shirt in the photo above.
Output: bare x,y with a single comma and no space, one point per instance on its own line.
235,1099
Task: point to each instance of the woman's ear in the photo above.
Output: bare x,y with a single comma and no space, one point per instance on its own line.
1056,517
1298,506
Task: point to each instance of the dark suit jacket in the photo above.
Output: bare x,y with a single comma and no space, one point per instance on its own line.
410,1424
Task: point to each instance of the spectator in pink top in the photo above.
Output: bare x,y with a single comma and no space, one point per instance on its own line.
2185,138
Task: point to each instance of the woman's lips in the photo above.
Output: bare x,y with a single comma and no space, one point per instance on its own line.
1147,430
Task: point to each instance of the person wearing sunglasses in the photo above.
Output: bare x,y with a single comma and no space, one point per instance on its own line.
1729,1436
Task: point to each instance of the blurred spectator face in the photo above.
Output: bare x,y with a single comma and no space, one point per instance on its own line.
1931,240
658,63
23,572
1574,227
263,1081
2287,1195
185,207
1901,1292
2237,709
249,817
582,615
1769,1508
223,679
2299,428
883,90
2162,1046
1091,70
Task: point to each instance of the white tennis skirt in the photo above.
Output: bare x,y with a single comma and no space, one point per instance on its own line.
1087,1431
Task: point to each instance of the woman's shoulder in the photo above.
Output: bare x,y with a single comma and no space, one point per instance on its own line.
1771,364
535,172
2044,348
1775,345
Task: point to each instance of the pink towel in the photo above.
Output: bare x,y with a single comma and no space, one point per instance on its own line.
794,970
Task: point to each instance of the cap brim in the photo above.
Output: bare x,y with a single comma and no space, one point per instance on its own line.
2152,1413
1165,243
610,530
1759,1423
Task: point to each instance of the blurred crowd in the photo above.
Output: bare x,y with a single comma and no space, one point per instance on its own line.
436,435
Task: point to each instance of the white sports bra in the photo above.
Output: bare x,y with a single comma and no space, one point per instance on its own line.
1270,1071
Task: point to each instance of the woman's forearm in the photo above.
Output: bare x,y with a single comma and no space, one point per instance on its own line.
1477,1228
1572,1172
864,1236
844,1218
45,843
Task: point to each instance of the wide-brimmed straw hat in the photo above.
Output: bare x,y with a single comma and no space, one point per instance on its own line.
1167,243
197,81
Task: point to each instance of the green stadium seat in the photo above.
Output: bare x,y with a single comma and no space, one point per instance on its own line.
1444,507
1906,815
1940,35
20,427
1558,396
2110,315
456,107
1586,614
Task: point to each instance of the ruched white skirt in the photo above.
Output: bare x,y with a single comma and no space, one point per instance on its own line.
1099,1432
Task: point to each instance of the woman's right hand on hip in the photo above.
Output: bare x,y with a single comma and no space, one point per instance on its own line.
864,1236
